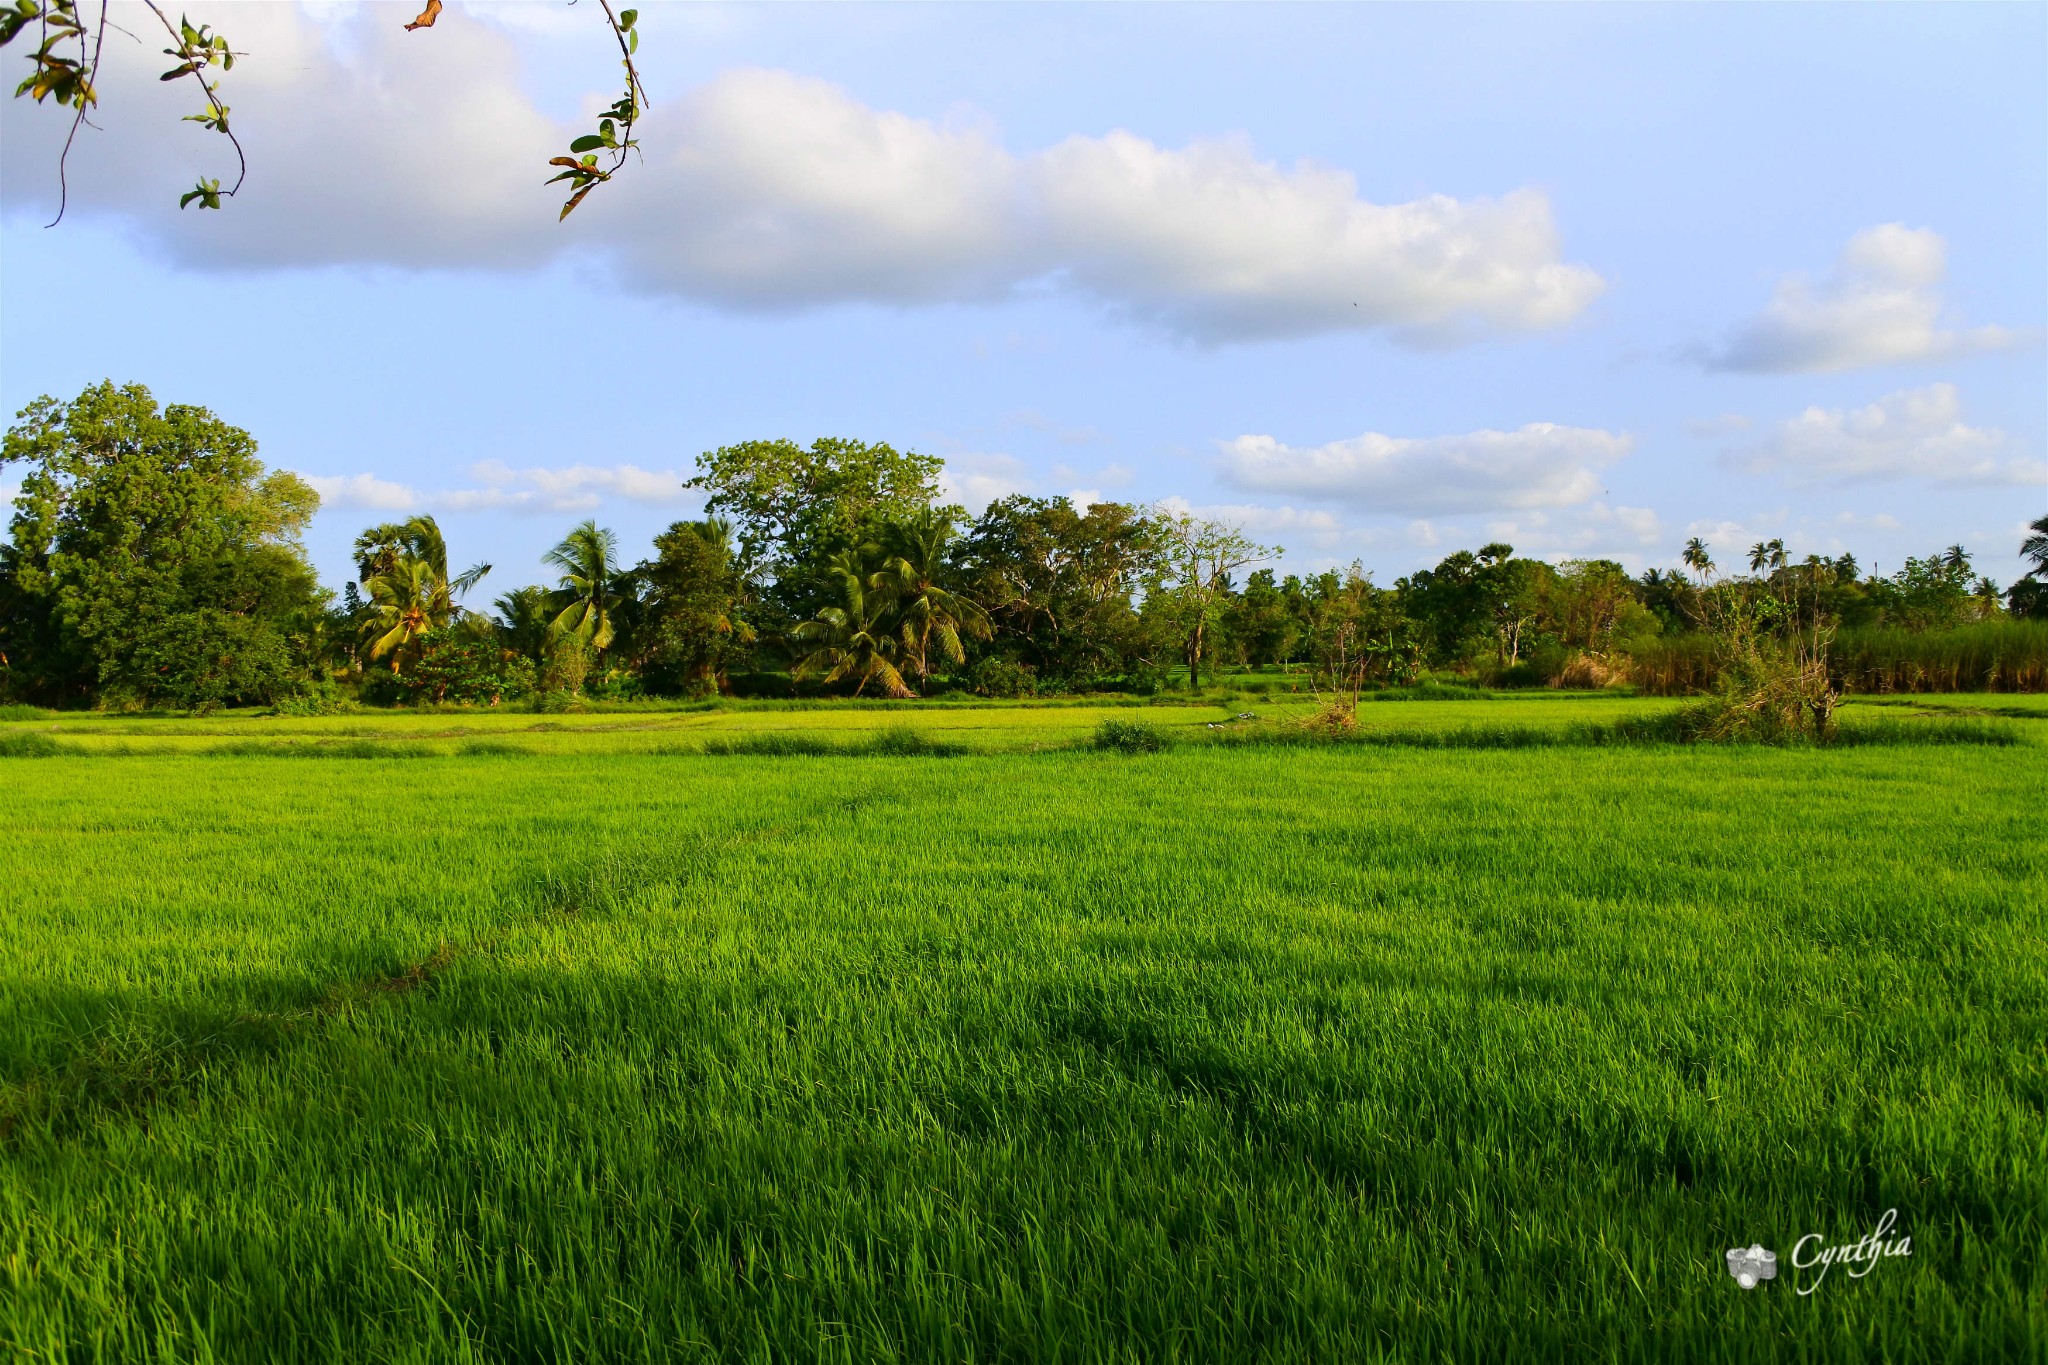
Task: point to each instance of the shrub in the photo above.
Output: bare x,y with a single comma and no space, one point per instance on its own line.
999,677
1129,737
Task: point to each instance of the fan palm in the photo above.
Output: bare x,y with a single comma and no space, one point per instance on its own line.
856,639
927,614
588,558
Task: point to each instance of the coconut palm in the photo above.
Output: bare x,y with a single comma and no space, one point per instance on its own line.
1766,554
858,638
405,603
379,550
589,560
1696,557
927,614
2035,548
1957,560
523,618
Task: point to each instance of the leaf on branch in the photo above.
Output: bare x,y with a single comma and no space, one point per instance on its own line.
186,70
427,16
575,199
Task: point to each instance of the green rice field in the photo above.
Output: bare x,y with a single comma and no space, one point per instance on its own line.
628,1036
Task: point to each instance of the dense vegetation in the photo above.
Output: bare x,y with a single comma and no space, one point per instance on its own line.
153,562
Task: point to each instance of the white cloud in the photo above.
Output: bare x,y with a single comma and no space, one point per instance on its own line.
1881,306
1211,241
1599,531
1539,465
1258,519
577,488
1915,433
365,491
975,481
768,190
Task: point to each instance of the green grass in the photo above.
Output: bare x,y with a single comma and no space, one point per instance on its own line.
1218,1053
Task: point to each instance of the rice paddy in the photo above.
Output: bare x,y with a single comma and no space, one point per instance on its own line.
578,1038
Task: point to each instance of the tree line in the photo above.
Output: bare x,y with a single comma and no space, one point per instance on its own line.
152,560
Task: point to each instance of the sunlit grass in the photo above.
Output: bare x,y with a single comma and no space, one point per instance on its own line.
1209,1054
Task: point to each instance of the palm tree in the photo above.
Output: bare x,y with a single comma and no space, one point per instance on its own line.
379,549
588,558
856,639
405,603
926,612
523,618
1957,560
1766,554
1696,557
2035,548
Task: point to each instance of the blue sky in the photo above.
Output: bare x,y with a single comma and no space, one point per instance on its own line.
1376,281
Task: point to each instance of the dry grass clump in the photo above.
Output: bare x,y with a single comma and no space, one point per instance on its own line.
1589,673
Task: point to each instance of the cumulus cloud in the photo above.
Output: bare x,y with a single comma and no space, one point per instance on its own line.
768,190
1915,433
498,487
1539,465
975,481
1257,519
1881,306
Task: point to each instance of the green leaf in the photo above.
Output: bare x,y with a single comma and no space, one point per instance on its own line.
628,17
632,41
588,142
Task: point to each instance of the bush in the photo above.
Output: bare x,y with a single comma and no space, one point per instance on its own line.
998,677
206,659
320,698
557,701
1129,737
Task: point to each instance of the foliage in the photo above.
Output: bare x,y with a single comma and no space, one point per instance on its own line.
589,560
455,667
794,509
856,638
996,676
694,629
928,614
135,529
1058,583
1190,560
1129,737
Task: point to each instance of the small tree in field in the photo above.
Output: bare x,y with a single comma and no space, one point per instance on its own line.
1193,559
1771,639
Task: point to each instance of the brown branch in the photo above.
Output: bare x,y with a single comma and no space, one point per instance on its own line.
220,111
90,95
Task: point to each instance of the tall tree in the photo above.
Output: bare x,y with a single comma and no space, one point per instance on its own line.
695,602
928,613
1193,559
856,637
151,556
1058,582
795,508
589,560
